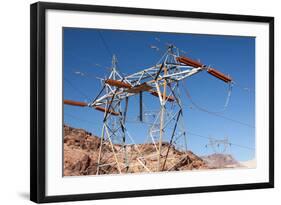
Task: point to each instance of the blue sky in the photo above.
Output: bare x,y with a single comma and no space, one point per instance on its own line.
233,55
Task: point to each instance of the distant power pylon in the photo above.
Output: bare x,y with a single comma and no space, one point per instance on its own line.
219,145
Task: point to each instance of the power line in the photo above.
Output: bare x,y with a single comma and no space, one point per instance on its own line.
77,90
242,146
205,137
204,109
228,118
215,113
233,120
247,89
105,44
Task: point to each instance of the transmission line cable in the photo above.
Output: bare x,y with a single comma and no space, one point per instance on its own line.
215,113
105,44
76,89
205,137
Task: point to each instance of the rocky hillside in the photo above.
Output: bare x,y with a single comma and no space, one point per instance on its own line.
249,164
81,151
216,161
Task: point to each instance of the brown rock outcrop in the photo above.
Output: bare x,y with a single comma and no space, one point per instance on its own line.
81,150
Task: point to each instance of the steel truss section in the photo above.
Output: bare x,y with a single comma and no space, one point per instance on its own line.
162,81
174,72
113,156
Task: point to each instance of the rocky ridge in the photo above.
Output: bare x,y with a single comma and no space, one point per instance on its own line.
81,150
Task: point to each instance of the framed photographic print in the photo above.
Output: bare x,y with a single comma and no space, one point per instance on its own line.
129,102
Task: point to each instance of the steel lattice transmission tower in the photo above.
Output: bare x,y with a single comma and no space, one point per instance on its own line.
219,145
162,81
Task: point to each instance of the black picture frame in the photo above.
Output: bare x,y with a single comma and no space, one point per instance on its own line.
38,101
